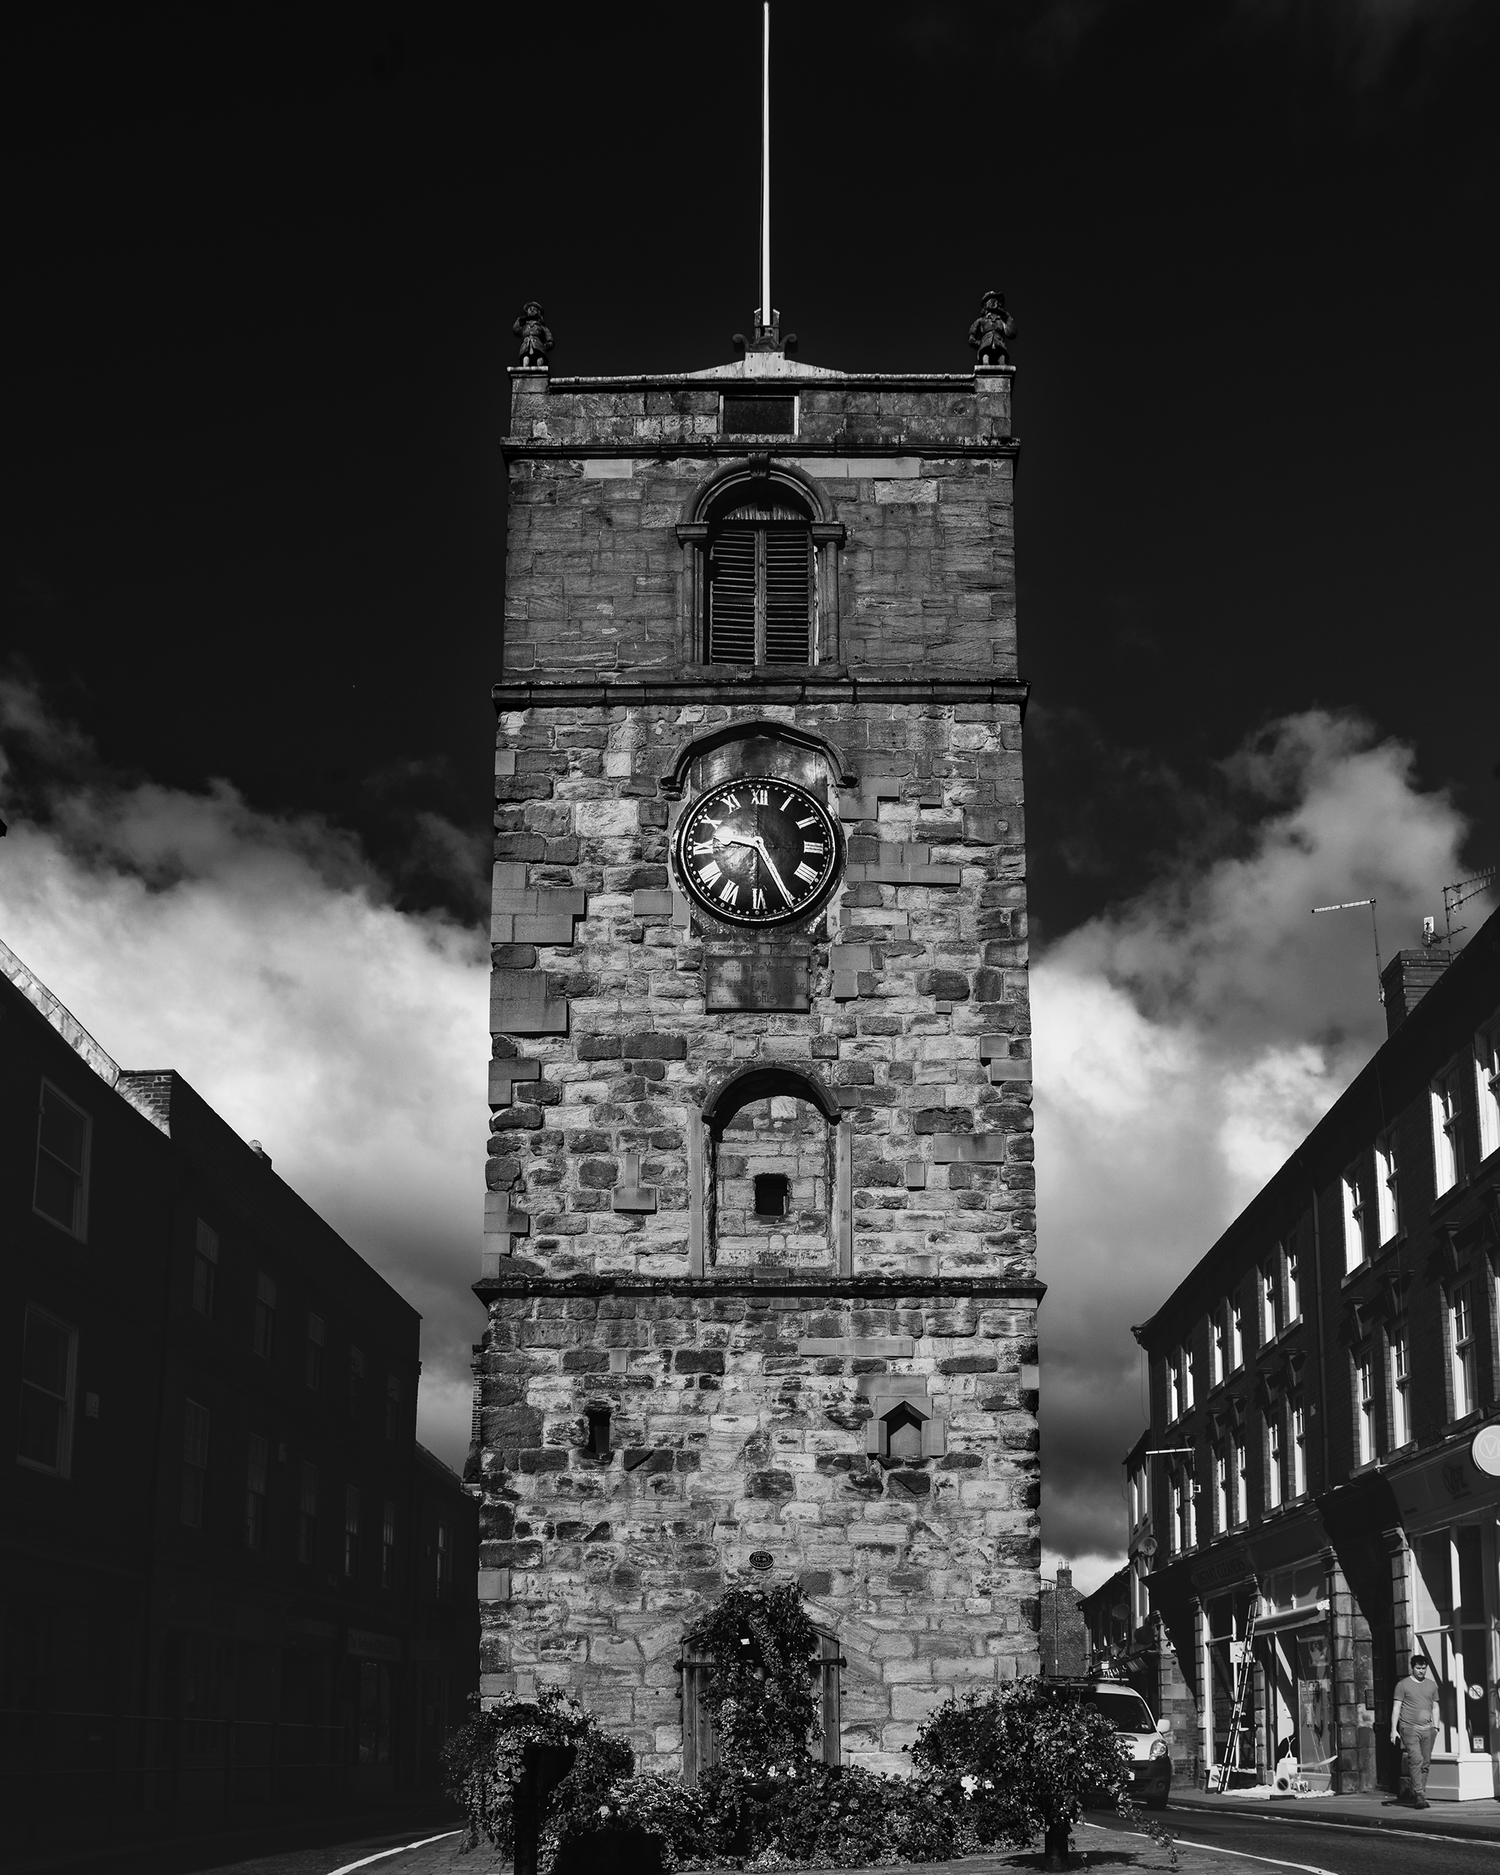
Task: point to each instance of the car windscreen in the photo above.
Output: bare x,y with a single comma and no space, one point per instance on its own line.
1125,1710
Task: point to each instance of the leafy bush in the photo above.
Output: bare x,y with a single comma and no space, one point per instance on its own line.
764,1651
675,1818
483,1759
1026,1758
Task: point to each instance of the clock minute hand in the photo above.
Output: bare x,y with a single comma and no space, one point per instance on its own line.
760,846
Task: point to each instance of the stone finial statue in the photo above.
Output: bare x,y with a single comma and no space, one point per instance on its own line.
536,340
992,331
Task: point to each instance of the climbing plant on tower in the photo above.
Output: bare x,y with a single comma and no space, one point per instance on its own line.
763,1651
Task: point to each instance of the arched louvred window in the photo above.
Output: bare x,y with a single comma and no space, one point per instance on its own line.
762,606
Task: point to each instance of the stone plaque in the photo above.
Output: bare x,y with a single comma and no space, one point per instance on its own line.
760,976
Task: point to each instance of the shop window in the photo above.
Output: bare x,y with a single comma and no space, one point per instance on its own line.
1447,1143
1454,1635
194,1462
49,1362
1487,1088
205,1268
60,1192
1387,1186
255,1491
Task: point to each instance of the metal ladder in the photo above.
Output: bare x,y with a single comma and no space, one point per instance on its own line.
1241,1694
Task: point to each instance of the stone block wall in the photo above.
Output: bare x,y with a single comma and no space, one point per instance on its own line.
737,1431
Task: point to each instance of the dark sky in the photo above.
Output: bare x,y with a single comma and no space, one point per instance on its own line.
262,269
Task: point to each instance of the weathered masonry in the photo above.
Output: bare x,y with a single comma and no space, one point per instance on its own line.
759,1254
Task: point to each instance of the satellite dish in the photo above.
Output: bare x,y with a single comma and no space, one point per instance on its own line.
1148,1548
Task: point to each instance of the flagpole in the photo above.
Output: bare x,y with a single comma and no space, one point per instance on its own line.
767,314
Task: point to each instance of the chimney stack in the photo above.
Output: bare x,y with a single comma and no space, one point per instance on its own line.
1407,978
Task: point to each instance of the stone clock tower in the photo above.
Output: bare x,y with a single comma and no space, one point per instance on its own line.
759,1256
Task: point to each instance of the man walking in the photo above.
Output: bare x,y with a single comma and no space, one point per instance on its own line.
1414,1728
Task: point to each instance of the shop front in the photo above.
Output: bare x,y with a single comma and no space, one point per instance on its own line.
1294,1654
1448,1609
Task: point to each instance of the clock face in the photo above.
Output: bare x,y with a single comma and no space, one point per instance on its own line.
757,851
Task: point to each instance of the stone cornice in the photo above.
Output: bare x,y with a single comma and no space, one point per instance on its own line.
858,1288
813,378
751,686
713,448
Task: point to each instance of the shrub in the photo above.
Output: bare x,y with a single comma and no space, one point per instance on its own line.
674,1818
831,1816
482,1760
1027,1759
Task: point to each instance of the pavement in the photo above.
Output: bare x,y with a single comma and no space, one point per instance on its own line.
1475,1821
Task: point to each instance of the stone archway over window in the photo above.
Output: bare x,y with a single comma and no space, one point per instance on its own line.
700,1741
771,1125
760,579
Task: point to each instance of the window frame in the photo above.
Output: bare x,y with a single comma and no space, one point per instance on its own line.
1366,1430
1236,1334
316,1341
1353,1206
1291,1281
1446,1099
1462,1361
443,1571
351,1532
1218,1351
388,1543
205,1268
1398,1354
194,1492
66,1401
1387,1187
257,1477
1269,1282
307,1513
1238,1480
1275,1472
1487,1086
1297,1442
263,1331
79,1228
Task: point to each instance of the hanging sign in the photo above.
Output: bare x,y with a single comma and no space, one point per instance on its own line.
1484,1449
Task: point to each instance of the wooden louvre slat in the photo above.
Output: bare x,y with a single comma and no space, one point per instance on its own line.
732,597
788,590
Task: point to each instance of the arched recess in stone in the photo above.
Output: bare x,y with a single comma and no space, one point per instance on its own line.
752,728
758,478
700,1740
779,1122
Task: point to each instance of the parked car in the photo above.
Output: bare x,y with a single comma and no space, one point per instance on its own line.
1143,1740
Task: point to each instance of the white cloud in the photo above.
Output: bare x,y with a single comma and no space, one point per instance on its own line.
261,957
1186,1042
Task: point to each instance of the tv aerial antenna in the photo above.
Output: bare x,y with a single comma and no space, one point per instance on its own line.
1462,892
1358,904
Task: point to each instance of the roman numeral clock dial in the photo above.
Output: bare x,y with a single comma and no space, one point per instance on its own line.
758,851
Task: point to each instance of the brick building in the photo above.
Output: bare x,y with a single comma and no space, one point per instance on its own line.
1324,1451
1062,1631
219,1540
759,1257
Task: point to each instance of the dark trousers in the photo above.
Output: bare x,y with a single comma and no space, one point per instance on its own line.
1416,1757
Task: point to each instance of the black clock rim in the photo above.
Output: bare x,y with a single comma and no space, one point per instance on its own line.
799,914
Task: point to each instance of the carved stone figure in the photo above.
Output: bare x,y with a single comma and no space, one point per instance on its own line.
536,339
992,331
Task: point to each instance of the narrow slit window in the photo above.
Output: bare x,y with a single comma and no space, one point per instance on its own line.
772,1194
598,1418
